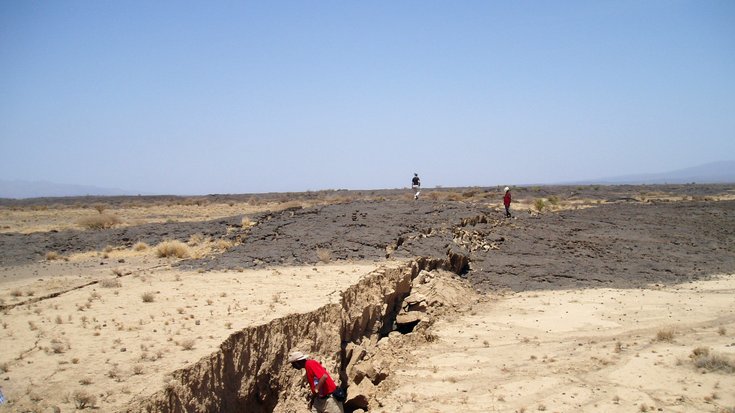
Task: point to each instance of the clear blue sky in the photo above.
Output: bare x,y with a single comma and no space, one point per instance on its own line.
195,97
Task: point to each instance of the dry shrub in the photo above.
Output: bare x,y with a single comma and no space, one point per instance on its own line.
52,255
140,246
172,249
324,255
223,244
101,221
453,196
196,239
704,359
110,283
665,334
247,222
148,296
539,204
187,344
100,207
83,399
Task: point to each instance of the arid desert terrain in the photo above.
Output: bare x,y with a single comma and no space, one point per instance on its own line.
590,299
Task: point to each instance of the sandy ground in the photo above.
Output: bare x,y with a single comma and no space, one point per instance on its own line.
100,336
590,350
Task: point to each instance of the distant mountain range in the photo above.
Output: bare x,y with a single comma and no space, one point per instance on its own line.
711,173
715,172
37,189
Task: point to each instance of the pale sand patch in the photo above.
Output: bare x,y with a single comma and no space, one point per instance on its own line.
591,350
109,342
59,218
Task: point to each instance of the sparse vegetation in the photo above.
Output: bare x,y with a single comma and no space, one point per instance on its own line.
172,249
110,283
703,358
324,255
83,399
52,256
140,246
539,204
665,334
187,344
101,221
148,296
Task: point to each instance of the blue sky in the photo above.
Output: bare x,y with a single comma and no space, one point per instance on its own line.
192,97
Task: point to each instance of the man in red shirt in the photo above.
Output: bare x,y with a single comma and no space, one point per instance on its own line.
506,202
321,384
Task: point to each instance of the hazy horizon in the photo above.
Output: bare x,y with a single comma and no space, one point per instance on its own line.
237,97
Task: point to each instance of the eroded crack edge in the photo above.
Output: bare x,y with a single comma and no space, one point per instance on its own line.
247,372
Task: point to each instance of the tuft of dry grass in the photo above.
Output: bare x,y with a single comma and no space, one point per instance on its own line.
324,255
83,399
187,344
140,246
148,296
52,255
539,204
703,358
172,249
101,221
665,334
110,283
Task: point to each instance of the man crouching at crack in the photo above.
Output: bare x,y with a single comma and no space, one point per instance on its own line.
322,386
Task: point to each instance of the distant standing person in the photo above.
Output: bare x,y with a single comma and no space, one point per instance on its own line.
506,202
321,384
416,185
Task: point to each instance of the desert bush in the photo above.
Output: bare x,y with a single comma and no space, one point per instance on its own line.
138,369
539,204
196,239
83,399
223,244
52,255
553,200
704,359
85,381
665,334
148,296
324,255
100,221
140,246
4,367
16,292
100,207
187,344
247,222
172,249
110,283
57,346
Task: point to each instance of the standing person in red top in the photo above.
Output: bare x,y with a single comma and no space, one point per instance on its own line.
321,384
506,202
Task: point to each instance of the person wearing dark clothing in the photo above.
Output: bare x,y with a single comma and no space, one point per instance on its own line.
506,202
416,185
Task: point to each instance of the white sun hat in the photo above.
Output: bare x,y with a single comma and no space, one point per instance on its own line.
296,356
